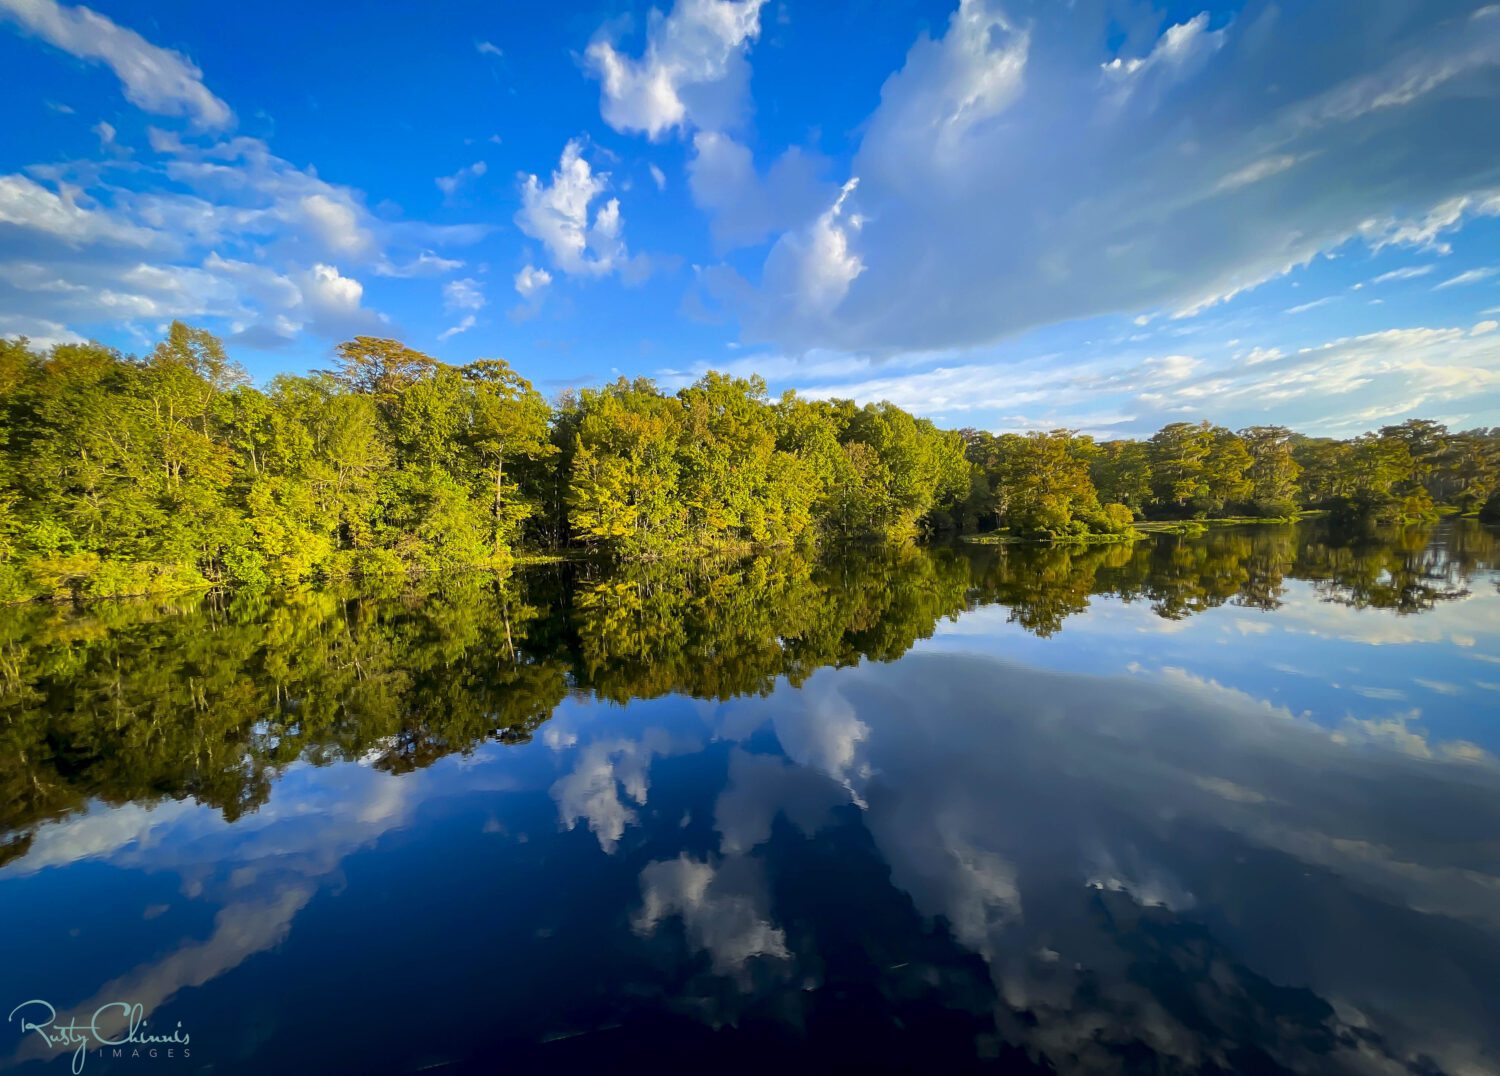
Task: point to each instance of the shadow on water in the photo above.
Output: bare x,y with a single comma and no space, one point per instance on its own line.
942,862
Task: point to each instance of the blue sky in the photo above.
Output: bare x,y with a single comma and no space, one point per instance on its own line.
1101,214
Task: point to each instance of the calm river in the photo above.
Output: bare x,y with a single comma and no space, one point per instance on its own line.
1217,804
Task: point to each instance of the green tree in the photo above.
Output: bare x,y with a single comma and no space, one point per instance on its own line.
1121,471
1178,454
1273,470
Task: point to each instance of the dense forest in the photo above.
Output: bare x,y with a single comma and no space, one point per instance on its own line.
122,475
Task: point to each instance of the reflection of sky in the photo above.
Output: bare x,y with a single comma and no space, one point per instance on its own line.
1241,800
1334,663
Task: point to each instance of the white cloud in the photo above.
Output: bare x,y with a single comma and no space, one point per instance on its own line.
1410,272
488,48
464,294
531,282
241,188
1341,387
557,215
465,323
591,791
1007,182
1178,48
1484,327
223,229
155,79
336,223
331,299
809,272
691,72
1256,171
1302,308
744,207
28,205
658,177
1468,276
425,263
1169,369
39,331
724,908
451,185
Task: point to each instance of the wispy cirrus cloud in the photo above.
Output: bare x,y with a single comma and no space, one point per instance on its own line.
1468,276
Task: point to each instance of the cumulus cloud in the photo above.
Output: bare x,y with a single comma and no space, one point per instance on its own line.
335,222
692,80
531,285
531,281
332,301
808,272
216,229
557,214
692,70
1017,173
155,79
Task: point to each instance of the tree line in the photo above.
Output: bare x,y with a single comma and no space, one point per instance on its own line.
123,475
1062,484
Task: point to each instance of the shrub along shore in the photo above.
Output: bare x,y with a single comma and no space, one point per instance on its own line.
128,476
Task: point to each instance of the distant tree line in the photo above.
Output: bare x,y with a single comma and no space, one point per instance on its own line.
1062,484
123,475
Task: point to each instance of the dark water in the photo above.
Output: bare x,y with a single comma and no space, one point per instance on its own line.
1225,804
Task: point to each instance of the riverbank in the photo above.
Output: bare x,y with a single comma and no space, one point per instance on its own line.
1139,530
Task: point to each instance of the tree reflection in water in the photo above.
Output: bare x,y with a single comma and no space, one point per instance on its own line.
211,698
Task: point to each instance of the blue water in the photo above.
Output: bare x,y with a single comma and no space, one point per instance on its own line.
1215,817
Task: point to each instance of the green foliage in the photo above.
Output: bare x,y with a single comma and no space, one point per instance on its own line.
144,476
1042,485
718,466
1273,470
122,475
211,696
1030,487
1197,469
1121,472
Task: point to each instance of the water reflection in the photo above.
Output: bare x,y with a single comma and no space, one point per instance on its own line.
1146,806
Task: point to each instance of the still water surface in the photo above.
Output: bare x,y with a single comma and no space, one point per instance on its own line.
1219,804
